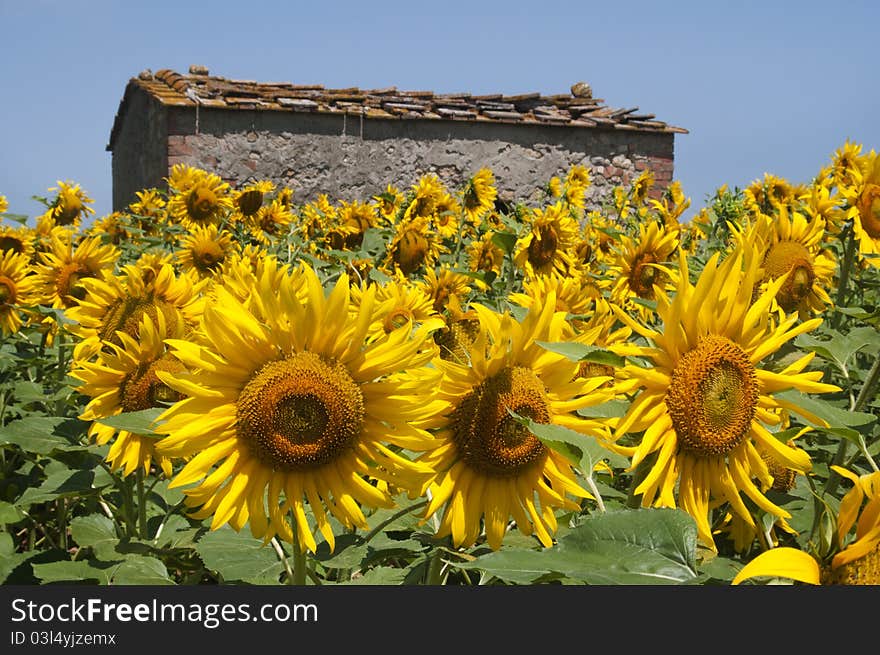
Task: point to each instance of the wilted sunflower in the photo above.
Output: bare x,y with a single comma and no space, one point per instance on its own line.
851,560
490,466
70,205
203,252
641,267
117,304
297,410
199,198
16,290
545,247
703,403
123,378
789,244
478,195
63,267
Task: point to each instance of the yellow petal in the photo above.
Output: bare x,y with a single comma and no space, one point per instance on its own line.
781,562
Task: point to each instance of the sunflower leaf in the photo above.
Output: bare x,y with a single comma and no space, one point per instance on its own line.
504,240
79,570
579,352
141,422
238,556
44,434
833,415
840,348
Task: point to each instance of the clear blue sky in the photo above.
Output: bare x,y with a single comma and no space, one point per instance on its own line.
767,86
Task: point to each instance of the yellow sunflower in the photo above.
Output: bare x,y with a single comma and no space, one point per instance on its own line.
443,285
297,410
124,378
271,221
249,199
70,205
63,267
388,203
703,403
357,217
863,207
413,247
851,560
423,197
489,466
19,240
846,164
397,303
149,204
199,198
545,247
789,244
445,217
203,252
485,255
641,268
478,195
116,304
4,204
16,290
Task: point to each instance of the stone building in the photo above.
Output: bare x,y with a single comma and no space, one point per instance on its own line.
350,143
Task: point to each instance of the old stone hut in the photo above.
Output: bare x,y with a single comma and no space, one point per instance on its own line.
350,143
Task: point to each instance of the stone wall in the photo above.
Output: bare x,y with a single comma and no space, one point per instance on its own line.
350,158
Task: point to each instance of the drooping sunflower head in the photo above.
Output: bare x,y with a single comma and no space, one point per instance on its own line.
204,251
70,205
485,255
552,233
357,217
249,199
200,198
490,466
478,195
297,408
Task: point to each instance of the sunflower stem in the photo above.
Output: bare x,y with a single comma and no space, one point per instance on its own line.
141,504
298,555
845,269
282,556
595,491
434,576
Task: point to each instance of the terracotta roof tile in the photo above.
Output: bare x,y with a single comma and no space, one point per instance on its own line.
172,88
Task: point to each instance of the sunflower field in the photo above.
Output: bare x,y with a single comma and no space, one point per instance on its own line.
220,385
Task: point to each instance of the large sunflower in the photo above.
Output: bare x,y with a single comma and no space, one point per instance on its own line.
490,467
124,378
16,290
297,409
702,405
852,559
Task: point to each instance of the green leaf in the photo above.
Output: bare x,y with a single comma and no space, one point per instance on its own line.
579,352
645,546
9,513
504,240
59,484
44,434
79,570
609,409
141,422
381,575
96,532
237,556
140,570
524,567
835,416
840,348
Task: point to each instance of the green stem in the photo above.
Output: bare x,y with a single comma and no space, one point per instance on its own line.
634,500
142,504
845,270
298,556
61,507
434,576
128,506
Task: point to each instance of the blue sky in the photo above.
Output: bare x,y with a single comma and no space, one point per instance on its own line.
763,87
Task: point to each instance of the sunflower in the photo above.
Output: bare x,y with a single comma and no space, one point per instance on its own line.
149,204
19,240
297,410
388,203
703,402
62,268
397,303
124,378
4,204
851,560
199,199
489,466
485,255
443,285
112,228
846,164
640,267
357,217
792,246
203,252
671,205
413,247
249,199
271,221
863,207
478,195
641,187
545,247
445,218
116,304
70,205
423,197
16,290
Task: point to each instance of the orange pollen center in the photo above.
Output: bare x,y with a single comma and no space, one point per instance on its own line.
201,203
793,258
